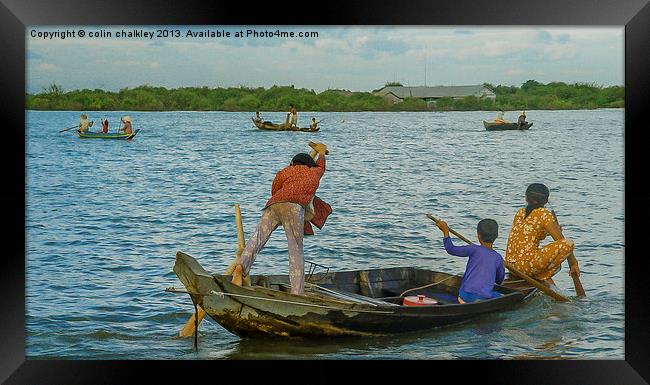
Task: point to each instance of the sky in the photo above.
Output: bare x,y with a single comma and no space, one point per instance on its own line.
352,58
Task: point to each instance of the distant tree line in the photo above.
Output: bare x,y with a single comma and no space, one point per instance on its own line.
531,95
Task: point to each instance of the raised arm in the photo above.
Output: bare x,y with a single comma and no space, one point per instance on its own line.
320,165
459,251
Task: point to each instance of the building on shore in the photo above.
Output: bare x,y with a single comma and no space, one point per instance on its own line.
397,94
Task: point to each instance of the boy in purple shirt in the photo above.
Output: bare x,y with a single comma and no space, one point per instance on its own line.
484,267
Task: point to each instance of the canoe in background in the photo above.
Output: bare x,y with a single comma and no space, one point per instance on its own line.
491,126
101,135
280,127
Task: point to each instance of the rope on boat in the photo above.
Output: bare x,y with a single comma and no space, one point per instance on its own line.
222,294
429,285
340,295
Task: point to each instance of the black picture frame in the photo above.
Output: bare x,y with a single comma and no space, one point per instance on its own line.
15,15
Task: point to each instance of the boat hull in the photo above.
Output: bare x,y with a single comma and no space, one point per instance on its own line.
100,135
490,126
267,309
281,127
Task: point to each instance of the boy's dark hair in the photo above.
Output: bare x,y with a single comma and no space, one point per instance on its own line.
488,230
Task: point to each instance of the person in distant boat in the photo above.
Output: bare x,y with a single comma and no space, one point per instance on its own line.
530,226
314,124
258,117
499,118
105,126
294,116
292,192
522,119
484,266
127,128
84,123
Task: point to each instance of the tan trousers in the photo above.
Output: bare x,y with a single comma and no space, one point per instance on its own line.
291,216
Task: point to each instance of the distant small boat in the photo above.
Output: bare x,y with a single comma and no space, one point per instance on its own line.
492,126
101,135
280,127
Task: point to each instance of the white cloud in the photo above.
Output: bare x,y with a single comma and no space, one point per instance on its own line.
48,67
357,58
513,72
560,51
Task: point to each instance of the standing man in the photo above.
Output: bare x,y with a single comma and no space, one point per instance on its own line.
294,116
499,118
293,191
84,123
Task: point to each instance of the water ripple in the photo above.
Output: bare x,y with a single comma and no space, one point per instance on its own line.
104,220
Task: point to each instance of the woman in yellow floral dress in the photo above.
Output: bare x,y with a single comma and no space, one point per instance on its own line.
530,226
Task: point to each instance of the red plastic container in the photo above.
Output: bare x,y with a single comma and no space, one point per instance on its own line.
419,300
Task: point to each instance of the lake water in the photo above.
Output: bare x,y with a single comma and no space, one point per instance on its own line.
105,219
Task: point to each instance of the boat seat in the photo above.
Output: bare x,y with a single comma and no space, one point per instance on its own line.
263,281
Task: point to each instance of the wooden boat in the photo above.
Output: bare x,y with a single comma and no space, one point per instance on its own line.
110,135
337,304
492,126
281,127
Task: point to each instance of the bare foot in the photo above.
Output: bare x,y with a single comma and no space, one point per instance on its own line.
237,276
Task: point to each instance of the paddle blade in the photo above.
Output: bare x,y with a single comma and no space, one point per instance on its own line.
580,291
189,328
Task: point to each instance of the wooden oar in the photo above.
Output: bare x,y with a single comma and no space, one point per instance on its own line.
66,129
531,281
580,291
190,326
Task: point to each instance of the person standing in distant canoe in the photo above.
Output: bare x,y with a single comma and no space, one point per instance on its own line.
499,118
294,116
292,193
530,226
84,124
127,128
258,117
314,124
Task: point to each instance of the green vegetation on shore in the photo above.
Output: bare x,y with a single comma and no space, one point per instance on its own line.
532,95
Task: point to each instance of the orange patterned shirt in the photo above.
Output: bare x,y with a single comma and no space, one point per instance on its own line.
297,184
523,249
527,232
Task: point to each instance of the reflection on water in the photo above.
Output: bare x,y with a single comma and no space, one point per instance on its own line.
105,218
